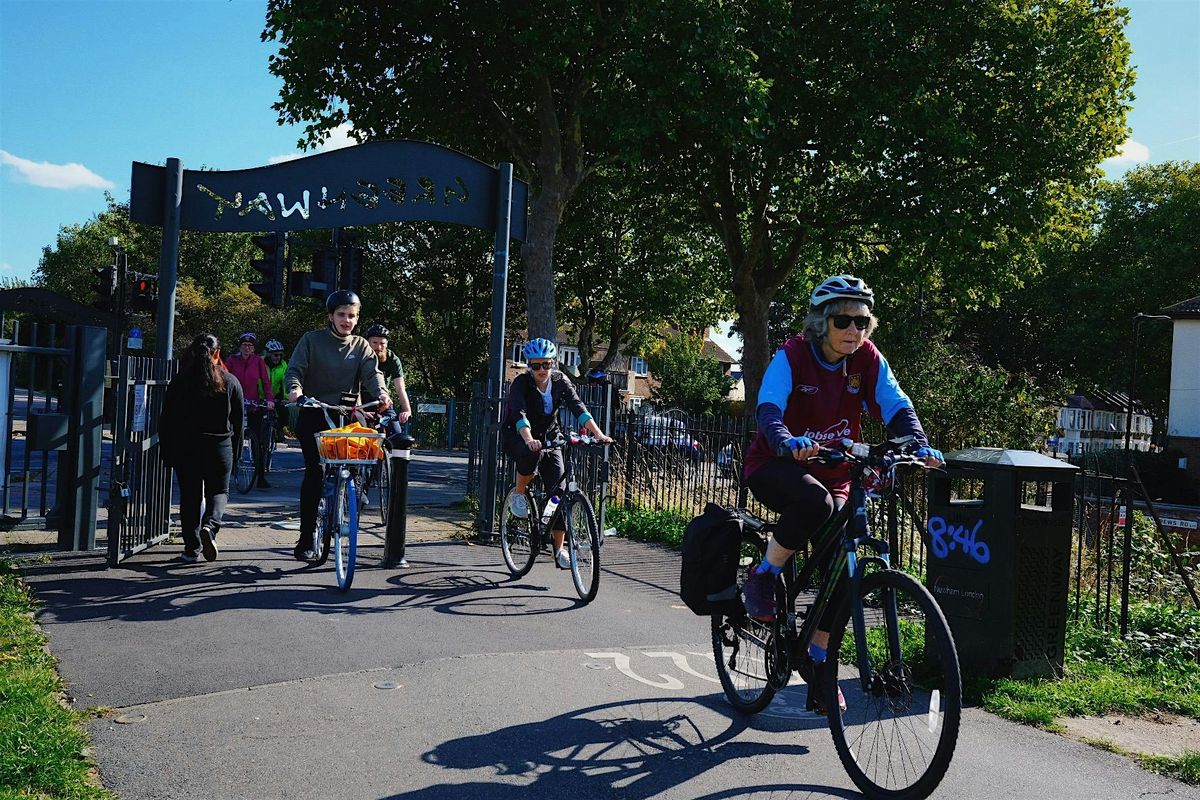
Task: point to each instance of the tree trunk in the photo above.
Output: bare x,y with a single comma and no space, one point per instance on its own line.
753,307
537,257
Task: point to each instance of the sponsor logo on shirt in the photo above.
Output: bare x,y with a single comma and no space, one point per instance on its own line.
838,430
804,388
854,383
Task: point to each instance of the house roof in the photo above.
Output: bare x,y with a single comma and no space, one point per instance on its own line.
1101,400
1188,309
714,350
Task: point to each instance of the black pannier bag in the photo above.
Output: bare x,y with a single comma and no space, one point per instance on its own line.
708,576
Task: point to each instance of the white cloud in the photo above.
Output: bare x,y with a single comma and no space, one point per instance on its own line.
338,138
1131,153
55,176
7,267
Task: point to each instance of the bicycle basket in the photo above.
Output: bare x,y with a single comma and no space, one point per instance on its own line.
350,444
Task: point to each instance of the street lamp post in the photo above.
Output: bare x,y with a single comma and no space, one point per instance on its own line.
1137,327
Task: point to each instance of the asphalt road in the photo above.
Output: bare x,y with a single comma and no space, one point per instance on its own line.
252,677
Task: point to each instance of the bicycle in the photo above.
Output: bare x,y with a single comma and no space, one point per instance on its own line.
338,509
244,467
522,538
897,729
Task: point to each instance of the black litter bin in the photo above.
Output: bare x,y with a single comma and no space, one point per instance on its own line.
999,558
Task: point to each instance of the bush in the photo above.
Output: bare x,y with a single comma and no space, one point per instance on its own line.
647,525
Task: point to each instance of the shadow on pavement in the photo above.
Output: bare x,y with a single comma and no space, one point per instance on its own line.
629,749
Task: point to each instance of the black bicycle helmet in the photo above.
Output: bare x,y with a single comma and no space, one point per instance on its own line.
377,330
342,297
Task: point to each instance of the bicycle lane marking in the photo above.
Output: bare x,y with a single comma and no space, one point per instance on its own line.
788,703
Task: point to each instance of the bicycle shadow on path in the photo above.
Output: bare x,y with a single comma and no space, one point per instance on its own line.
632,749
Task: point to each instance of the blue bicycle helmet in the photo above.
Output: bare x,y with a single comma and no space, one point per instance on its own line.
539,348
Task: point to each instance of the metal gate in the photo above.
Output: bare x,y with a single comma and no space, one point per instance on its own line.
33,367
139,506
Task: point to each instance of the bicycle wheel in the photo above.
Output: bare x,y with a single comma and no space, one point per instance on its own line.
384,482
323,537
743,647
345,532
268,438
243,470
583,535
898,732
519,538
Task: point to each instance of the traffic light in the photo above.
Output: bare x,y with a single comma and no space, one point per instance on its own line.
143,295
324,273
352,269
105,288
272,267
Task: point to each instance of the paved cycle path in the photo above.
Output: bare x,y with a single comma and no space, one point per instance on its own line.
252,677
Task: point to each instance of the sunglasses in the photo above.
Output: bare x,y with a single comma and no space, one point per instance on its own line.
842,321
541,365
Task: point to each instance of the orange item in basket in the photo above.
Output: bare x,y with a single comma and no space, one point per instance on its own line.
349,446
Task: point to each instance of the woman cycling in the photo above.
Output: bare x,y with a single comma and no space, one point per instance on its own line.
813,394
530,417
327,364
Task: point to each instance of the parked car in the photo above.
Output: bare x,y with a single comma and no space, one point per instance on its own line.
666,433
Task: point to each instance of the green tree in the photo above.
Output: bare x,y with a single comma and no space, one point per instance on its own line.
430,285
1142,255
931,134
631,260
688,379
538,84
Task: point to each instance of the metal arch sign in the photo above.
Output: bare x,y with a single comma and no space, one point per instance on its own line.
385,181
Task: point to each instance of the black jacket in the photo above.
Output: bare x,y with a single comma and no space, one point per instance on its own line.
524,398
190,418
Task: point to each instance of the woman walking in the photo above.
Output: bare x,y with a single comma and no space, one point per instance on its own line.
199,431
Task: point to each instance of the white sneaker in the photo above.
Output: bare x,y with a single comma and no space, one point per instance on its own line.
518,505
562,559
403,562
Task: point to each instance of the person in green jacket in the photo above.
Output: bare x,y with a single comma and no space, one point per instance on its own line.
276,368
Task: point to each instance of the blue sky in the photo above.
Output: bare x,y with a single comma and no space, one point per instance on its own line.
87,87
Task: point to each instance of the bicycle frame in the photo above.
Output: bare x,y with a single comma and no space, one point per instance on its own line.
836,546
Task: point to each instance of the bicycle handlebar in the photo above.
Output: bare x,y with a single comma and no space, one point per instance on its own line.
572,440
885,455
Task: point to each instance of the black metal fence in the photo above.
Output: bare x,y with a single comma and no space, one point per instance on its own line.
674,462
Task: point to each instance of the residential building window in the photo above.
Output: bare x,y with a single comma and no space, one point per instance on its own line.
517,355
569,356
635,402
637,365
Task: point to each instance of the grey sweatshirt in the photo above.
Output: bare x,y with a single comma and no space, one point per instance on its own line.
324,365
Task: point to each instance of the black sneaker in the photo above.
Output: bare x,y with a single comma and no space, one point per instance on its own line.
208,541
302,552
189,557
816,676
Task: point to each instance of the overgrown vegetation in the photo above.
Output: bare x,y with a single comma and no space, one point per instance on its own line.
648,525
43,747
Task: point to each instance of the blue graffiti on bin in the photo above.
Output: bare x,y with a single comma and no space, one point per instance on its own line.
946,538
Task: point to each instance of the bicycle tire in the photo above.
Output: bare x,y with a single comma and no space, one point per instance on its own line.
385,489
268,438
583,537
912,708
519,537
742,647
323,538
345,533
244,468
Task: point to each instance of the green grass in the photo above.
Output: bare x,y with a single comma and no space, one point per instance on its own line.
42,744
1185,767
664,527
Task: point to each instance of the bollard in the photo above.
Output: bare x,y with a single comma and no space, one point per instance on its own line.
397,523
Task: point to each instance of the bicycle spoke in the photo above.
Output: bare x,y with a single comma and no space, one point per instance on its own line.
896,736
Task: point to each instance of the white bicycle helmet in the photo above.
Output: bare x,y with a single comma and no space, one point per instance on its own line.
539,348
274,346
842,287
